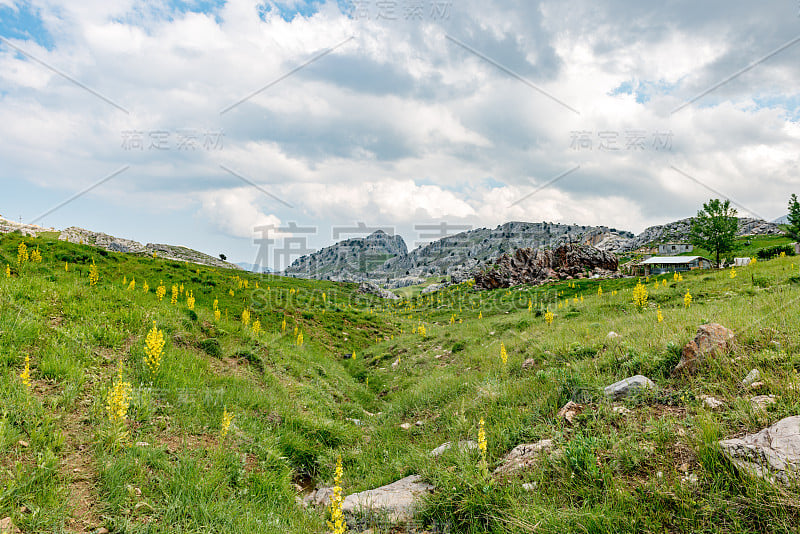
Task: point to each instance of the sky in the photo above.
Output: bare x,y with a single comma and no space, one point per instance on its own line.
266,129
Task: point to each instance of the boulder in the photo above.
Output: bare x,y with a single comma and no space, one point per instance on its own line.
630,385
523,457
709,338
395,502
773,453
711,403
460,445
528,364
369,288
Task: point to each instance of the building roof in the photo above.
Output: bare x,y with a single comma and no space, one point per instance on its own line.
676,260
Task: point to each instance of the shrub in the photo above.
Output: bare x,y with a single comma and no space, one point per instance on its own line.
211,347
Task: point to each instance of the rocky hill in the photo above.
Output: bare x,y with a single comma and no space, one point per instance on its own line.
116,244
353,260
678,231
74,234
384,260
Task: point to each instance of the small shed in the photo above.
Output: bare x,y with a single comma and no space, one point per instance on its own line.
741,262
672,264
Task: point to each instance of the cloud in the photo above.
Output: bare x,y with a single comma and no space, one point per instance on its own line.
235,212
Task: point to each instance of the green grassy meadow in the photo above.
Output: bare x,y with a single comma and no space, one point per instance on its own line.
172,467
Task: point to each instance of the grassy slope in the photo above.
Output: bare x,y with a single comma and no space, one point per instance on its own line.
294,406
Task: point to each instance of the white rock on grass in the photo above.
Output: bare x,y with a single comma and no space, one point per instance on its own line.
628,386
460,445
762,402
523,457
773,453
752,376
711,403
395,502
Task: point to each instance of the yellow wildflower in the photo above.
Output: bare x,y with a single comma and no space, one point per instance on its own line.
154,349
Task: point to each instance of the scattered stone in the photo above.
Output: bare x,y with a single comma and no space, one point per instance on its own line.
709,339
318,497
690,479
23,444
419,423
523,457
570,410
612,336
529,487
752,377
406,426
7,527
628,386
529,364
142,444
396,363
757,385
621,410
772,452
356,422
395,501
762,402
711,403
461,446
101,530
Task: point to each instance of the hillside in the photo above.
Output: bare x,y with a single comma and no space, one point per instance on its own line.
237,426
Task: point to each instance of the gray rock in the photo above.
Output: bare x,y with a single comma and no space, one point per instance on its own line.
628,386
369,288
711,403
762,402
319,497
460,445
751,377
773,453
523,457
395,501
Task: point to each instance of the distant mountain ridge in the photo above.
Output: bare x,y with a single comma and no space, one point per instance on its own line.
384,259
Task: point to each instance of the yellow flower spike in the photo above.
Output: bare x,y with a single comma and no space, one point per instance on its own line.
118,399
337,523
245,317
687,299
664,282
22,253
94,275
599,291
256,327
124,280
217,315
26,372
174,298
190,300
549,317
145,287
733,273
154,349
480,315
8,271
227,419
132,285
36,256
231,293
503,354
640,294
659,315
283,326
161,291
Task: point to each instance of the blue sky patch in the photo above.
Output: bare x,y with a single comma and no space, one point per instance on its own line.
643,90
24,22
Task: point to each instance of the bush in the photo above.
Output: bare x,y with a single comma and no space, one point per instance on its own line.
771,252
211,347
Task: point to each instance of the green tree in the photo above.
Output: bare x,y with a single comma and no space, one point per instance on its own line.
715,227
794,218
